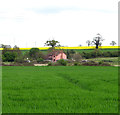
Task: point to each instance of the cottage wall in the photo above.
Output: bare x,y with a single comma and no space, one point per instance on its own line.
60,56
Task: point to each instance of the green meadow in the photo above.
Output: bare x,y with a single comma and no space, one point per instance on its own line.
59,89
80,50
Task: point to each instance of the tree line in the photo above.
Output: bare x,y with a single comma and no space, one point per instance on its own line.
35,55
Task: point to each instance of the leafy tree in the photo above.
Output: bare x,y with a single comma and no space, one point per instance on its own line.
2,45
19,59
9,56
77,57
34,52
15,47
113,43
6,50
52,43
72,51
88,42
69,52
97,40
17,50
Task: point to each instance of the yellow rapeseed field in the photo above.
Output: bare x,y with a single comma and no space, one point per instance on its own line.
80,47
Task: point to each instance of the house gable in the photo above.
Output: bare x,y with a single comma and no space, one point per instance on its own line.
54,56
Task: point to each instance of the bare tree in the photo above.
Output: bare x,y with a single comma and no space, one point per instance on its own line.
97,40
113,43
88,42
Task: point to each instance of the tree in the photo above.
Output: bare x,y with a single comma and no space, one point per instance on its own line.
15,47
17,50
52,43
113,43
35,53
97,40
77,57
9,56
69,52
2,45
88,42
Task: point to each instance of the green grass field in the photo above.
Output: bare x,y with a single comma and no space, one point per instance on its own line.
71,89
114,60
91,50
79,50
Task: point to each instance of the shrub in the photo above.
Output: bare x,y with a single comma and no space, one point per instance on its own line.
92,63
107,54
49,64
70,53
9,56
76,64
54,64
87,55
19,59
105,64
96,53
115,54
107,60
40,60
62,62
101,62
77,57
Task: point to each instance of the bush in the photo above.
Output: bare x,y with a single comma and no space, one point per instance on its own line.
105,64
62,62
107,54
101,62
77,57
69,53
9,56
107,60
115,54
39,60
76,64
54,64
49,64
92,63
19,59
98,53
87,55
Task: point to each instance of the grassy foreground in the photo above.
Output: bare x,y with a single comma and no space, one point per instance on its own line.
75,89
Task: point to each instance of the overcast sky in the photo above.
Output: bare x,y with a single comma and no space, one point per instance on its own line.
30,23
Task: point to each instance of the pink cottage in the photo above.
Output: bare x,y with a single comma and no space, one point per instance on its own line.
57,55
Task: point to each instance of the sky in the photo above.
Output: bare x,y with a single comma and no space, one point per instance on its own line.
30,23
